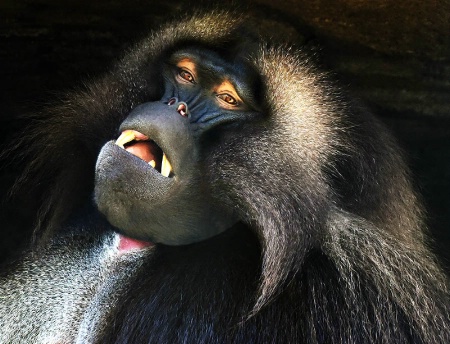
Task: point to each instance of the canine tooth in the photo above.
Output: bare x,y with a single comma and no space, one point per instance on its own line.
125,137
166,168
152,163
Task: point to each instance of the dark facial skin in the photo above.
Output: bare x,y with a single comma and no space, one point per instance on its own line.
158,193
215,90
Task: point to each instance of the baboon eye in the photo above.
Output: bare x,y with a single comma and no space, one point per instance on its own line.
227,98
185,75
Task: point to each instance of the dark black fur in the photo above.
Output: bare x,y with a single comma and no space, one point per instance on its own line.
330,248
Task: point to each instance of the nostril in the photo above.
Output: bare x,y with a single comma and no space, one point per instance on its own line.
182,109
172,101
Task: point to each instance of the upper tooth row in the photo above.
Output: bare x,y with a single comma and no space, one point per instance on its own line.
125,137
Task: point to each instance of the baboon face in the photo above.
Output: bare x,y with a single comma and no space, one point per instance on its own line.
151,183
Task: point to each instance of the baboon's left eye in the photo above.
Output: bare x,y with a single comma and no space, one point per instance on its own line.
227,98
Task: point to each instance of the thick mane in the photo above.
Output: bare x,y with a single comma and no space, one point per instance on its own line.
402,274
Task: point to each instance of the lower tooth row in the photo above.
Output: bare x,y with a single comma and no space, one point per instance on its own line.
166,168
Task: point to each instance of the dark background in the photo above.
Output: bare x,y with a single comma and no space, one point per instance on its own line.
393,56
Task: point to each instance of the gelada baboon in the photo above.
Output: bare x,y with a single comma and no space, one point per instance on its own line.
238,197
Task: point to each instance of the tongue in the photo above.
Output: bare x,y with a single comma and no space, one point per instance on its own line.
144,150
128,244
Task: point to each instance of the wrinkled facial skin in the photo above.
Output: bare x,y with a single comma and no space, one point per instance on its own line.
150,184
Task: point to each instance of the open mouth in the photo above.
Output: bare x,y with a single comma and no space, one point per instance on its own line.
146,149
